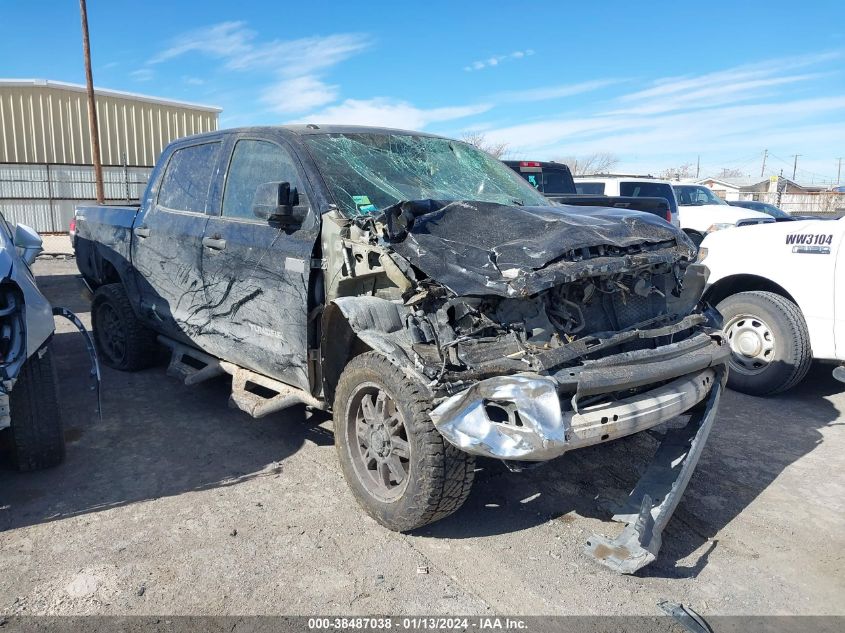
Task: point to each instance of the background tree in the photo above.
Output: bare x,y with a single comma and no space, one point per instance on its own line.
687,170
597,163
477,139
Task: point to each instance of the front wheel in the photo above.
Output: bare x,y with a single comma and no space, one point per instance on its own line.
695,237
770,345
400,469
37,436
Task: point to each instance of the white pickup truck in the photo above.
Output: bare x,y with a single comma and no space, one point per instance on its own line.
781,291
703,212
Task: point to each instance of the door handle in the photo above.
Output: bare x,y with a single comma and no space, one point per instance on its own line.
142,232
214,243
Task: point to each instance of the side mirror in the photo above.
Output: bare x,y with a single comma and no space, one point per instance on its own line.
274,201
28,240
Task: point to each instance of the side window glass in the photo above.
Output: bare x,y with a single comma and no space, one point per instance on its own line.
187,178
254,163
589,188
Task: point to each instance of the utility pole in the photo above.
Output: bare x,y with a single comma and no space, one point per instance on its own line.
763,168
839,170
698,166
795,166
92,106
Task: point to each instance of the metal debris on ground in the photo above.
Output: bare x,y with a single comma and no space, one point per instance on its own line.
92,352
685,616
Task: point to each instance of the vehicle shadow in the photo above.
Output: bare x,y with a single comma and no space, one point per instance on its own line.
156,438
752,442
159,438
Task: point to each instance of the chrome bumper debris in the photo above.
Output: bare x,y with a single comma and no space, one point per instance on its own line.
531,426
656,495
519,417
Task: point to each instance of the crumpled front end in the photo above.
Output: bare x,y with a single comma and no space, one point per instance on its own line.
534,417
536,330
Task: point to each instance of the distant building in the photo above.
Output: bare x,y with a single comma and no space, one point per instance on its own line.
744,188
46,166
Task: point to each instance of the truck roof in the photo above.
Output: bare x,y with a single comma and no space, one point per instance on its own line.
307,129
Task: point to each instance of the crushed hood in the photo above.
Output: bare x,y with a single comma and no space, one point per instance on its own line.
482,248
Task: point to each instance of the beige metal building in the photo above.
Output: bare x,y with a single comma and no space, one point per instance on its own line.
45,148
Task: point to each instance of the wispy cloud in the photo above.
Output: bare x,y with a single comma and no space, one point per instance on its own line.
298,94
227,39
240,49
549,93
738,109
142,74
495,60
298,64
386,112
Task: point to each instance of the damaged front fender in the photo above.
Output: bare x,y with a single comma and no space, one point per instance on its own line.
355,324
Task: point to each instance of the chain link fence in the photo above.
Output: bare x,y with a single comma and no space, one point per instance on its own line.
44,195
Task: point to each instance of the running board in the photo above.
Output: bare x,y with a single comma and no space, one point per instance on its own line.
252,393
278,395
190,365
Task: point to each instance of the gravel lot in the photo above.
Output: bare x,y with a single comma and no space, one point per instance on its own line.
175,504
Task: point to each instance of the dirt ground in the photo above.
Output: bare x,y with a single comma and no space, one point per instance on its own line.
176,504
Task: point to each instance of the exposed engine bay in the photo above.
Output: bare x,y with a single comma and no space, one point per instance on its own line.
479,308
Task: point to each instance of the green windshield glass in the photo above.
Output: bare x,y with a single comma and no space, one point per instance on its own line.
370,171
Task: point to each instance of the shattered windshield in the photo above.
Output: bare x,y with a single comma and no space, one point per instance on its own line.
369,172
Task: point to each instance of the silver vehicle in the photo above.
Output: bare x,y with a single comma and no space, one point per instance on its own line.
28,401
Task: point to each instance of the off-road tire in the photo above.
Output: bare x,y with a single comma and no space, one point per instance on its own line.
141,349
792,353
439,477
37,435
695,237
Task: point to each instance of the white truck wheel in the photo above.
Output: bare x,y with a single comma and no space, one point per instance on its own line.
769,342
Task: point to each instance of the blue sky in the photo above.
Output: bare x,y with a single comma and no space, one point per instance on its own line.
657,84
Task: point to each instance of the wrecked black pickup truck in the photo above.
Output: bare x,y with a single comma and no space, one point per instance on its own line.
428,297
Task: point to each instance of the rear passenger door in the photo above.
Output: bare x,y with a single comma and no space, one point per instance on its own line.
166,241
256,273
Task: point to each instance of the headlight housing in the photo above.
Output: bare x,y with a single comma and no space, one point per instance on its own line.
720,225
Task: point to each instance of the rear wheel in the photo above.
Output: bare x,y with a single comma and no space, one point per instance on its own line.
37,434
769,342
122,341
400,469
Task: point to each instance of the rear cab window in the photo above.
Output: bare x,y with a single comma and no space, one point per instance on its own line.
589,188
186,182
647,189
550,180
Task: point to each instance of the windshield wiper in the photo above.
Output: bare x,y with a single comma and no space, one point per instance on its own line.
519,203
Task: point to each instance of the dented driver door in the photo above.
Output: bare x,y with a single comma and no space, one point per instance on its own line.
256,273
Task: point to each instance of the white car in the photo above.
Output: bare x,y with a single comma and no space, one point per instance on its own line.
703,212
778,288
634,186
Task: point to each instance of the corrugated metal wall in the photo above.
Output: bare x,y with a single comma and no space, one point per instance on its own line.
49,124
45,147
